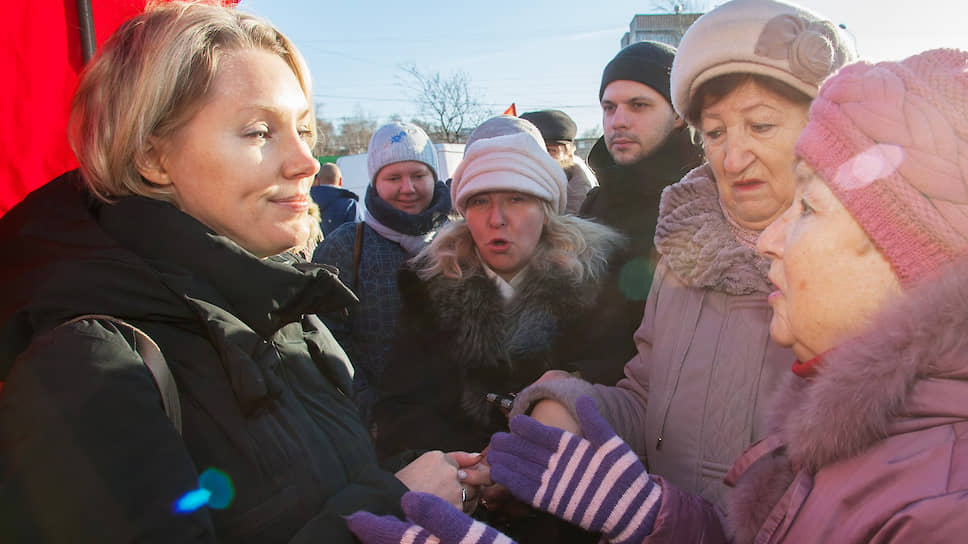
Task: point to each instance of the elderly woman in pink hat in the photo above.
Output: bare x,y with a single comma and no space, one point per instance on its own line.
695,395
868,435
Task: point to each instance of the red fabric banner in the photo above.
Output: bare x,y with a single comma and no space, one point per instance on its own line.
41,54
512,110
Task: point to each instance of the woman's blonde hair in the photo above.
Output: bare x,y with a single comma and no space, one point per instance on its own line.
566,245
150,78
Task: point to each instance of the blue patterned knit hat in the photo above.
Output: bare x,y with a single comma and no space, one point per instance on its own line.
399,142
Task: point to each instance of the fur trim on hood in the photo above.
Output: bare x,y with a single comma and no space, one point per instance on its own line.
697,243
874,376
498,344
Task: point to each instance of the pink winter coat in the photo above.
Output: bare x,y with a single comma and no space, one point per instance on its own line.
873,449
696,394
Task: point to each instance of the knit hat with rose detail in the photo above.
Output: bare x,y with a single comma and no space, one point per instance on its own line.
764,37
515,162
891,141
399,142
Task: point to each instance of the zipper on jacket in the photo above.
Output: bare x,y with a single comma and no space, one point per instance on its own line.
658,443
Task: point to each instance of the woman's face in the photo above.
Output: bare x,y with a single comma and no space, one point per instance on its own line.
830,278
748,138
407,186
243,165
506,227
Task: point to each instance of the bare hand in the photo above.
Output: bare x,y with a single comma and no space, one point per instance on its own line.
472,470
554,414
496,498
437,473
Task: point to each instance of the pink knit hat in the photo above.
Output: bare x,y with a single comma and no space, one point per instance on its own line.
891,141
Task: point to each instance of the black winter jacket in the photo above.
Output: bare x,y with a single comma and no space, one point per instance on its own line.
458,340
627,199
86,452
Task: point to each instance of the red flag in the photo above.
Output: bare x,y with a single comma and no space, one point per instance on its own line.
512,110
45,33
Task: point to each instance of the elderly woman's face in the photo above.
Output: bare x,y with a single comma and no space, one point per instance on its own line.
748,138
830,278
243,165
506,227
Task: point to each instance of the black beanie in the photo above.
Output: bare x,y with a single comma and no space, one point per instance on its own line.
649,63
554,125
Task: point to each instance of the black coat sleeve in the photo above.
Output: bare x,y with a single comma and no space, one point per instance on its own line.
87,453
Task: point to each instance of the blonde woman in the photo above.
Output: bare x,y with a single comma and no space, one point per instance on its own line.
194,126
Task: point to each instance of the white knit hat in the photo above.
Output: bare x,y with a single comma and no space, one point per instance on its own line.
766,37
399,142
515,162
502,125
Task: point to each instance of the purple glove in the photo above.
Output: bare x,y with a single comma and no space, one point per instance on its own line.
434,521
596,483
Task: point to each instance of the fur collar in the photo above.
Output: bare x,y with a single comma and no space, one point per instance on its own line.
879,377
503,346
869,388
697,243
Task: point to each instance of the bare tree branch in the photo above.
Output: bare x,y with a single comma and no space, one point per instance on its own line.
448,102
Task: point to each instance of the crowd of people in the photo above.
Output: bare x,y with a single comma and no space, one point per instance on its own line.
742,321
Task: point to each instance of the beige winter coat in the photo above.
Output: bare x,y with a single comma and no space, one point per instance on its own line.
695,396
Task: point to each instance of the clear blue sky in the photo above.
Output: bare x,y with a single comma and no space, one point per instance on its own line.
538,54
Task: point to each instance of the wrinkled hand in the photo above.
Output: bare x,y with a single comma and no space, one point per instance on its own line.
433,521
496,497
472,469
595,482
438,473
474,474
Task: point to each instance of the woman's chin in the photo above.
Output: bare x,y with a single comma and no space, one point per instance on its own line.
780,332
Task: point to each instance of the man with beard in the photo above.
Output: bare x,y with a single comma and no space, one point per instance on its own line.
558,131
645,148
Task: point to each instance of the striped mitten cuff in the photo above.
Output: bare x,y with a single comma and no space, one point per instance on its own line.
596,482
434,521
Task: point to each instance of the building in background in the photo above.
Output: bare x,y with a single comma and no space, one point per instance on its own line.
667,28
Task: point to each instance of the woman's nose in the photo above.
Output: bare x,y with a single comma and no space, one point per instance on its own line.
300,162
408,185
771,241
738,154
496,216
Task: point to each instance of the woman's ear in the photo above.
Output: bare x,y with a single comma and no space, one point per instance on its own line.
150,162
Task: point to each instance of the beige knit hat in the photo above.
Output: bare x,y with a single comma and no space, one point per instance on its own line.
765,37
514,162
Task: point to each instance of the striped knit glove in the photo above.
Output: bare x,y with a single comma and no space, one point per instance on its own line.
596,482
434,521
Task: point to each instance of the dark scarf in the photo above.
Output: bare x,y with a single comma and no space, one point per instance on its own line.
411,224
196,263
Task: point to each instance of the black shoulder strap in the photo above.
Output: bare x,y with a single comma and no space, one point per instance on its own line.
154,360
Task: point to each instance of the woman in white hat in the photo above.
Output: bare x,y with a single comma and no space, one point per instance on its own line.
405,205
494,301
